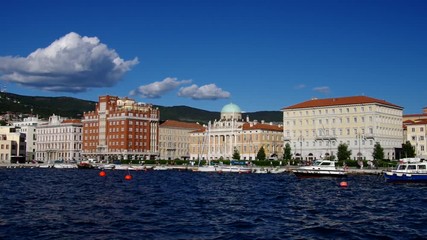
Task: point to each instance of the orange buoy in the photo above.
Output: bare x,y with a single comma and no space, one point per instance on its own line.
102,174
128,177
343,184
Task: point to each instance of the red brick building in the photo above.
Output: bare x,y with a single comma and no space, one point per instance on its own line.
121,129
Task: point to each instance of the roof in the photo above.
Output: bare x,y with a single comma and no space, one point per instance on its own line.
340,101
261,126
415,122
178,124
231,108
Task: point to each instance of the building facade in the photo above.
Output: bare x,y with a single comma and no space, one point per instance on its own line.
121,129
59,139
315,128
28,126
12,145
174,139
416,134
220,138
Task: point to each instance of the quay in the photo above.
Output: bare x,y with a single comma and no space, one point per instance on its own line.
288,169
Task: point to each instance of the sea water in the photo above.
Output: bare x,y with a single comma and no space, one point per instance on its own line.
80,204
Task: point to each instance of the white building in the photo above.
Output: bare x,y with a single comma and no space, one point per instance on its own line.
315,128
28,126
59,139
12,145
416,134
221,138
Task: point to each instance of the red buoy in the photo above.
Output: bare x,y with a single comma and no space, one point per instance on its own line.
343,184
128,177
102,174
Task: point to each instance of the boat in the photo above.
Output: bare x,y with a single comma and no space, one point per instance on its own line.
206,168
320,168
85,165
409,170
235,169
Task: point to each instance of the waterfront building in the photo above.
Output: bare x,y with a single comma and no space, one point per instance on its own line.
121,129
220,138
12,145
28,126
59,139
416,134
417,116
174,139
315,128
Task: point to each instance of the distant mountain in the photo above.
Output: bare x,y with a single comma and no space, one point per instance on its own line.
74,108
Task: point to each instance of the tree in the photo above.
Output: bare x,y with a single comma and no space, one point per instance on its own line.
261,154
287,152
378,153
408,150
236,154
343,152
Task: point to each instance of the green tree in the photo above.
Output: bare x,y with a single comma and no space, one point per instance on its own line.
343,152
287,152
408,150
261,154
378,153
236,154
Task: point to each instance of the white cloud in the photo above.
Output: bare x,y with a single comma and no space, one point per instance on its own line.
325,90
299,86
210,92
70,64
157,89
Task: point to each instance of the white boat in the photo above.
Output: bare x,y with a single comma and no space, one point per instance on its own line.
261,170
206,168
408,170
235,169
278,170
160,168
64,165
107,166
320,168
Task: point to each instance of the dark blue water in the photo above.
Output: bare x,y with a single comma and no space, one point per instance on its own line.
78,204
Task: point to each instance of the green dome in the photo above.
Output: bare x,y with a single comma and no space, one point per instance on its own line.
231,108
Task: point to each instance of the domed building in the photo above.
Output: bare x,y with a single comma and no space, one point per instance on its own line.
231,111
220,138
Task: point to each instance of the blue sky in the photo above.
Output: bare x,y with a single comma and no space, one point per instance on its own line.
261,55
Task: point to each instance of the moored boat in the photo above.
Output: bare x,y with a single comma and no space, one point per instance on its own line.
320,168
409,170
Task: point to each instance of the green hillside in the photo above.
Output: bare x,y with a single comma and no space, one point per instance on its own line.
74,108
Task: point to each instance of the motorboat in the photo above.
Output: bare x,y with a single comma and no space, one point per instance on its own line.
206,168
320,168
408,170
235,169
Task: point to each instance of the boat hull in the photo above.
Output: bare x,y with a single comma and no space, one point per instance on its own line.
405,177
319,173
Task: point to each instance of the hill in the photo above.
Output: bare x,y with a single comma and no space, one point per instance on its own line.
74,108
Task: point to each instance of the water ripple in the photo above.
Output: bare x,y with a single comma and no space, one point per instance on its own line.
76,204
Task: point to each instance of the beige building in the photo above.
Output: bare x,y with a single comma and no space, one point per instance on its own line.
12,145
59,139
416,134
174,139
315,128
221,137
